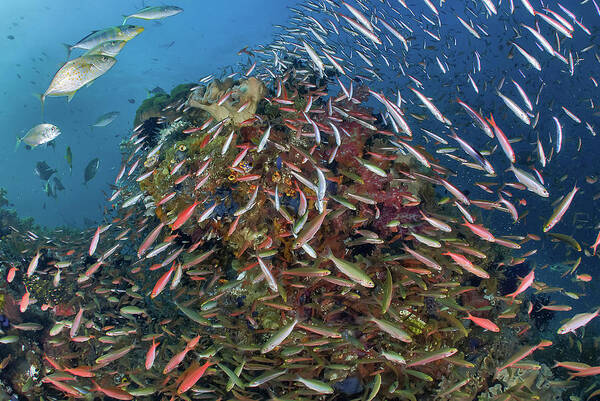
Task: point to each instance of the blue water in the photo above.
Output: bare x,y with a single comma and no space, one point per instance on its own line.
202,40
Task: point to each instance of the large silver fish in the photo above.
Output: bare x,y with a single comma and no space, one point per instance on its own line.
38,135
120,32
77,73
152,13
110,48
106,119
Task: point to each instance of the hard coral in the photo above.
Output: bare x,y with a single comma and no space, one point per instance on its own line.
250,91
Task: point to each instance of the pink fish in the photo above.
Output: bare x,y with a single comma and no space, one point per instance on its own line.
24,301
151,354
113,392
596,243
11,274
94,242
33,264
591,371
150,239
162,282
467,265
522,354
184,215
483,322
577,321
480,231
192,377
504,143
76,323
525,284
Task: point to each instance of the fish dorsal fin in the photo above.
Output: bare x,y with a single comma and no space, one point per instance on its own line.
86,37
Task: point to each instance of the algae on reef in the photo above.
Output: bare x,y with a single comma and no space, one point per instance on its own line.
152,107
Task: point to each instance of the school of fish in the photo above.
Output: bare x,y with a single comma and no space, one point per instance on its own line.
355,235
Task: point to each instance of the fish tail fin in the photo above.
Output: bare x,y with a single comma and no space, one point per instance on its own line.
327,253
69,49
18,143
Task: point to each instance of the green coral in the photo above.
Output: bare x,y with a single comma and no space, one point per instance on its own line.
181,89
151,107
3,201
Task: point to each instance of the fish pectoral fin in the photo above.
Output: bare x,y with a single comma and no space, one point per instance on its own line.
70,95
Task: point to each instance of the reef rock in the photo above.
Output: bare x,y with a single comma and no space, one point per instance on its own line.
250,91
534,382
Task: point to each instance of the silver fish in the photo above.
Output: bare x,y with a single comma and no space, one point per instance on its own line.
40,134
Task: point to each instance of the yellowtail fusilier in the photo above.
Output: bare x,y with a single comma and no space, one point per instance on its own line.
351,270
393,357
392,329
111,48
142,391
433,356
316,385
132,310
113,356
9,339
431,242
120,32
193,315
560,210
279,337
265,377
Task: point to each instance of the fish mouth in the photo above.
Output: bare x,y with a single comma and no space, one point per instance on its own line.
139,29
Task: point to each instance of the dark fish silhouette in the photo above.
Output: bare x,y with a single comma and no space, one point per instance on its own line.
43,170
91,169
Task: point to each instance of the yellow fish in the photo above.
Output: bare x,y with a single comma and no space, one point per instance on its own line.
76,73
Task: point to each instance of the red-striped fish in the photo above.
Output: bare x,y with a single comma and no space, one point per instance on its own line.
192,377
150,239
151,355
184,216
94,242
162,282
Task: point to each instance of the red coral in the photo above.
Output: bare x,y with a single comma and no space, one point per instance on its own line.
474,299
351,147
64,310
11,309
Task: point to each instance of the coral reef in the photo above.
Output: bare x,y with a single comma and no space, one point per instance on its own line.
522,383
229,100
258,212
